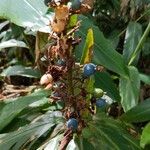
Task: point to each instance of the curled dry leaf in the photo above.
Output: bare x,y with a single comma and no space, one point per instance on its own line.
60,19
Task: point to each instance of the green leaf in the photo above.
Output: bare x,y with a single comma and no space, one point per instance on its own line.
83,144
109,134
104,54
129,89
28,133
30,14
145,78
88,48
14,106
12,43
105,82
139,113
132,37
145,137
21,71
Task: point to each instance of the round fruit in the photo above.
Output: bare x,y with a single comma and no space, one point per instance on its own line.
98,92
101,102
75,4
46,2
46,78
72,123
89,69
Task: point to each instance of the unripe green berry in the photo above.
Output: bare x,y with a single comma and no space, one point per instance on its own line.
98,92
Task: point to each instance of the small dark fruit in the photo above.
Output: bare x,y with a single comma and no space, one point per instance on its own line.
75,4
101,102
72,123
89,69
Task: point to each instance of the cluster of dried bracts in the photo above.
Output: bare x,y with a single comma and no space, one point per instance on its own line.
64,77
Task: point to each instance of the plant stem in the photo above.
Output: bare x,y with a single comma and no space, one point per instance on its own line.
70,83
140,44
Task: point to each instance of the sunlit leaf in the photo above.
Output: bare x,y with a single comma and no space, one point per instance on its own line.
145,78
12,43
30,14
88,48
145,137
21,71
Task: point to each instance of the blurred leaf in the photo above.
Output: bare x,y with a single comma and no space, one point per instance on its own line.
132,37
105,82
83,144
88,48
72,146
12,43
22,71
145,137
30,14
139,113
28,133
15,106
145,78
129,89
106,133
146,47
52,144
104,54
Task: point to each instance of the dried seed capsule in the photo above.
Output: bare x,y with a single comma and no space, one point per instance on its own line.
45,79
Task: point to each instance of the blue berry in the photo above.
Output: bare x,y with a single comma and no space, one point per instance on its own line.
101,102
89,69
72,123
75,4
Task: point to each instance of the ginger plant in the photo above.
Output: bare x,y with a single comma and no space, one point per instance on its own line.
71,83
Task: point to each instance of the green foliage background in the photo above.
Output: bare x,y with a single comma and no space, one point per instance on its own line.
121,41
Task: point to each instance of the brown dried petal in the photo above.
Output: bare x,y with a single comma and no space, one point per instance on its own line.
61,12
